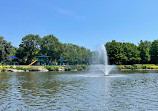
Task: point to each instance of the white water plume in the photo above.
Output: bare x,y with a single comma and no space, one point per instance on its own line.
100,61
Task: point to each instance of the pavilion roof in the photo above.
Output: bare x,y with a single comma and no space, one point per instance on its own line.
43,56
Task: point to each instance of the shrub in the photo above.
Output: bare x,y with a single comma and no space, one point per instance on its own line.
129,67
22,68
52,68
84,67
4,67
80,68
144,67
19,68
55,68
149,67
152,67
67,68
32,69
121,67
73,67
139,66
3,70
48,68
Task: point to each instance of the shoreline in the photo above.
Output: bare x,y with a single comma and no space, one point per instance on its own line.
61,68
138,69
27,68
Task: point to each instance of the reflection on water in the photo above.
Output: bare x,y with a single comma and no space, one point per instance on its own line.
61,91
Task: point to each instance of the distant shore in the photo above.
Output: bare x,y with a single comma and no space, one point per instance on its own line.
138,67
27,68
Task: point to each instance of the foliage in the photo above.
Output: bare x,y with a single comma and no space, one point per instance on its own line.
66,68
122,53
154,52
50,68
144,51
29,47
22,68
129,67
3,69
27,68
136,66
75,54
121,66
118,53
5,66
51,46
5,50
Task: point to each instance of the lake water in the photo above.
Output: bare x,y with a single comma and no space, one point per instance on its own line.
123,91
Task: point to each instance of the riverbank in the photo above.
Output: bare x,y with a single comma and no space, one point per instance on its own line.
138,67
26,68
21,68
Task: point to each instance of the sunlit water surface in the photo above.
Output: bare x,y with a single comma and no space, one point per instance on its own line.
79,91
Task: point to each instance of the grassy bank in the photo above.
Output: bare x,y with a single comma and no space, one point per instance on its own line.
42,68
67,68
6,68
25,68
138,66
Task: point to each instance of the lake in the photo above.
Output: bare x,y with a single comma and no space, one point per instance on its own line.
73,91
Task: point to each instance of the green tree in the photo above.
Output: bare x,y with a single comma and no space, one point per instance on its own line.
22,55
122,53
114,52
84,55
130,54
5,50
147,43
154,52
51,46
29,47
71,53
75,54
13,51
144,52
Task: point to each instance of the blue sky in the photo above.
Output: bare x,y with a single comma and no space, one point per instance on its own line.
83,22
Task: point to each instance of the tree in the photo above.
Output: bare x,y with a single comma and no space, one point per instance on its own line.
21,54
144,52
114,52
147,43
122,53
130,54
30,47
71,53
5,50
51,46
75,54
84,55
154,52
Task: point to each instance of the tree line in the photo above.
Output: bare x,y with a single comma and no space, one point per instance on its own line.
6,50
128,53
118,52
33,45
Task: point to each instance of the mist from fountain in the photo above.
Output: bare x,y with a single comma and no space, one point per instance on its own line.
100,61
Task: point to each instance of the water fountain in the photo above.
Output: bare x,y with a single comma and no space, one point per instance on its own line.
100,61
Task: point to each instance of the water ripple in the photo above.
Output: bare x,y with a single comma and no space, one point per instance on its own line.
70,92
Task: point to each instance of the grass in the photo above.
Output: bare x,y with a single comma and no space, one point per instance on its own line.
20,67
67,67
75,67
138,66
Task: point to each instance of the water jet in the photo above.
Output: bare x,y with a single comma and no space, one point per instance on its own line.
100,61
